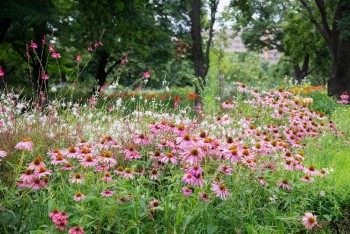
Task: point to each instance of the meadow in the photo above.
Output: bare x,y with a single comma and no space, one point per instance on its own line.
260,161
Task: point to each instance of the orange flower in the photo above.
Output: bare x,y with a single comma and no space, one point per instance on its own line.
192,95
176,98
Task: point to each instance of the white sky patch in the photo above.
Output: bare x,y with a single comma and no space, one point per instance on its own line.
221,7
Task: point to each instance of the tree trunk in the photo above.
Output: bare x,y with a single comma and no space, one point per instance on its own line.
4,26
340,76
101,75
200,70
300,74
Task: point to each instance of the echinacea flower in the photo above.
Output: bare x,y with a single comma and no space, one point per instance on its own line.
107,177
42,172
36,184
307,178
311,170
309,220
78,196
204,197
36,164
127,174
169,157
107,193
186,191
54,213
25,144
220,190
154,173
284,184
28,176
76,178
188,178
88,161
76,230
192,156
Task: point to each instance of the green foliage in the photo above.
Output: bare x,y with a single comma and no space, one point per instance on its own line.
322,102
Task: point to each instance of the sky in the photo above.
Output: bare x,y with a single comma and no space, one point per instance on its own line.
222,5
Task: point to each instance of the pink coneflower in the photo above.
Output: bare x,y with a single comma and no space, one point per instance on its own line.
27,177
71,152
220,190
42,172
76,230
204,197
88,161
59,160
61,224
36,164
78,196
284,184
25,144
225,169
199,181
154,203
186,191
141,139
309,220
67,167
119,171
193,156
128,174
54,213
228,105
307,178
107,193
131,153
154,173
169,157
53,153
311,170
185,142
289,164
262,180
107,177
76,178
188,178
195,170
102,167
107,157
36,184
323,172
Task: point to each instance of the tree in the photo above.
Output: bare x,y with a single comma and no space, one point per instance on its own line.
267,25
332,20
200,57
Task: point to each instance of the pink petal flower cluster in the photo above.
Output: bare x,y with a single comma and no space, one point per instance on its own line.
59,219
